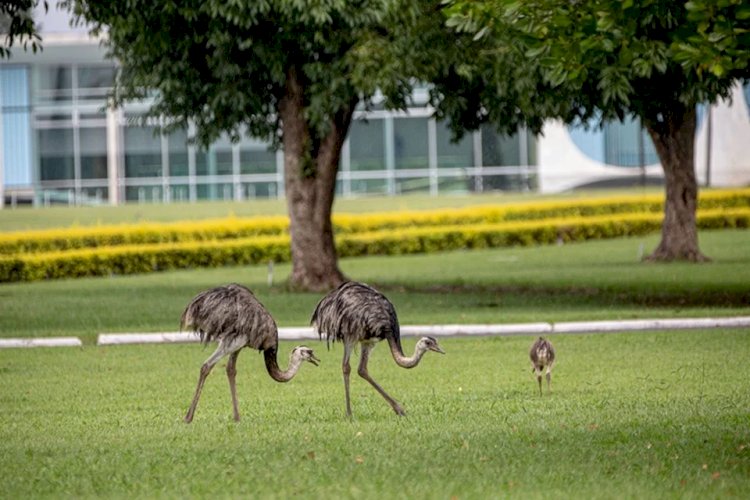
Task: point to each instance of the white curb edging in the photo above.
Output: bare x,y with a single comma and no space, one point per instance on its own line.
307,333
41,342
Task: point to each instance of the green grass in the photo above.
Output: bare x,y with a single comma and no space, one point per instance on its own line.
594,280
642,415
29,218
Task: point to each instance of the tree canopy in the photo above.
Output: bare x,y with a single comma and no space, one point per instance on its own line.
289,71
608,59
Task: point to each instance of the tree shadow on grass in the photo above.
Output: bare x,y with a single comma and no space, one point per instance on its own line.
591,295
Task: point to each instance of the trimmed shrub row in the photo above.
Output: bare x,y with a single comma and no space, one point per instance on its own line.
132,259
139,234
524,233
239,228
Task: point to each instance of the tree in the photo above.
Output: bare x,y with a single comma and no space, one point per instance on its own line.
575,60
288,71
17,23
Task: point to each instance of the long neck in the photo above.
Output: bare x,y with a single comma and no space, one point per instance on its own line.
273,366
402,360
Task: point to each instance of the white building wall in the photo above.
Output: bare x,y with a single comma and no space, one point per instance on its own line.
563,166
730,143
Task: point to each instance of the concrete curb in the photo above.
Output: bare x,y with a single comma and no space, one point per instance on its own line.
41,342
307,333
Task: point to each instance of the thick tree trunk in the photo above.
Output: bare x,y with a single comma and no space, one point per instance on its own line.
673,135
310,181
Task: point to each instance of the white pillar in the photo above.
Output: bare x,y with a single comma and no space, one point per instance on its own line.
113,154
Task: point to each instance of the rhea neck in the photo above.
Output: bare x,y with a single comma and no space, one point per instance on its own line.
273,366
402,360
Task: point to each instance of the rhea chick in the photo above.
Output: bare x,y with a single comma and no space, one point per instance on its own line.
542,356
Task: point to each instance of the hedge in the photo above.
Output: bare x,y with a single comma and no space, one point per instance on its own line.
47,240
129,259
239,228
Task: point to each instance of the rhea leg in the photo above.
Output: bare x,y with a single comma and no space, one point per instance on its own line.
346,370
208,365
538,372
231,374
549,377
362,371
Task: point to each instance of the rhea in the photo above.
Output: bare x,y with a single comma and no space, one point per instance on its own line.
355,313
235,318
542,356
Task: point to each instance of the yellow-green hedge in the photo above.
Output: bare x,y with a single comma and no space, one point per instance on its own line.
47,240
239,228
537,210
133,259
181,255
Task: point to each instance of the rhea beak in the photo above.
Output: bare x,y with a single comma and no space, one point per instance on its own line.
437,348
313,359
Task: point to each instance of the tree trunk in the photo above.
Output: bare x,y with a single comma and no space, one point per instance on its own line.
673,135
309,182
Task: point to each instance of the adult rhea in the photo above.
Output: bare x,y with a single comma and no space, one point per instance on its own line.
355,313
233,316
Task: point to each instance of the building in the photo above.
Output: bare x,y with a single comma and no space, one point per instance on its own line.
59,143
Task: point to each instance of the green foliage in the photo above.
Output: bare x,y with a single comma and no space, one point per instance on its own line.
223,66
606,59
720,44
672,424
17,23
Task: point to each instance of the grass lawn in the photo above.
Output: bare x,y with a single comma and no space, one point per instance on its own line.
587,281
64,216
640,415
637,415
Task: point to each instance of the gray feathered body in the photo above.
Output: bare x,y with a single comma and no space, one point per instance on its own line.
542,353
356,312
231,312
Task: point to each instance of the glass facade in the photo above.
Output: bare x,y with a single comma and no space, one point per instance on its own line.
85,153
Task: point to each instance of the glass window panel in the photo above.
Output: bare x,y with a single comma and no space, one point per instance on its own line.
369,186
531,145
142,152
450,154
179,192
259,190
499,150
95,77
626,144
412,185
143,194
56,154
58,116
410,142
178,153
94,115
95,194
220,158
366,145
93,153
55,83
55,78
455,184
511,182
257,161
215,191
223,162
201,162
